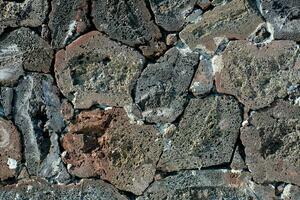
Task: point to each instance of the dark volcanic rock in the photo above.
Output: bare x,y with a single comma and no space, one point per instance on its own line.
284,16
96,70
162,88
206,134
257,76
106,144
10,149
272,143
68,20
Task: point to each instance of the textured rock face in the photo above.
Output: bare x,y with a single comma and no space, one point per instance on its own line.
208,184
284,16
68,20
22,13
88,72
234,20
272,143
162,87
106,144
257,76
6,98
206,135
10,149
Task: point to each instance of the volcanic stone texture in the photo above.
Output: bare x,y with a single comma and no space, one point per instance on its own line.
96,70
284,17
162,87
208,184
206,134
10,149
234,20
105,143
272,143
68,20
6,99
257,76
30,13
36,189
37,116
128,21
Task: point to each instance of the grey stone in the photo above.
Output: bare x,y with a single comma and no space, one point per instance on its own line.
206,135
290,192
162,87
6,100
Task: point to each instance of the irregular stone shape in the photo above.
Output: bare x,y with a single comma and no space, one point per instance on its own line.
162,87
234,20
257,76
96,70
10,149
24,48
290,192
105,143
129,22
207,184
37,189
238,162
30,13
284,17
272,143
68,20
206,135
37,115
171,14
6,99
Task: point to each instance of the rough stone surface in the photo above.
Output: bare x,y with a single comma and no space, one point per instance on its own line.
10,149
207,184
106,144
162,87
68,20
206,135
6,100
234,20
272,143
88,72
257,76
284,17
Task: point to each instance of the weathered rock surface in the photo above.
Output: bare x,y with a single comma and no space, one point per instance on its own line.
206,135
96,70
22,13
208,184
284,17
234,20
128,21
40,190
290,192
68,20
162,87
10,149
105,143
272,143
6,100
257,76
37,115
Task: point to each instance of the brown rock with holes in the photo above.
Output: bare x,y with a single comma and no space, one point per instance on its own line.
10,149
272,143
105,143
96,70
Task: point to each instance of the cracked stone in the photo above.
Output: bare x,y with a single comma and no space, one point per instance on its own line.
128,22
257,76
39,189
96,70
37,115
162,88
208,184
206,135
10,149
105,143
272,143
238,162
284,16
30,13
68,20
290,192
234,20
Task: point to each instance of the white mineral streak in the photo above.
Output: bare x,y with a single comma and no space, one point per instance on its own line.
71,29
217,64
12,163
